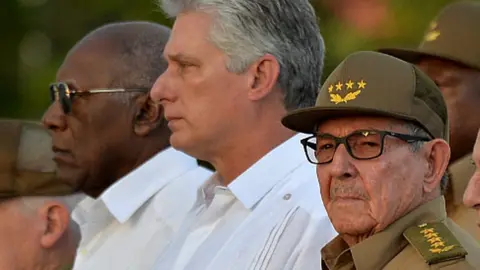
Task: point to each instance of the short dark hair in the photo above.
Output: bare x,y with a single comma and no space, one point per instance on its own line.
138,49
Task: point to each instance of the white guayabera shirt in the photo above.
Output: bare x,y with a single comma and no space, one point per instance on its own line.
270,217
132,221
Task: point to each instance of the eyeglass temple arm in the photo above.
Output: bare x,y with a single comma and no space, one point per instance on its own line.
117,90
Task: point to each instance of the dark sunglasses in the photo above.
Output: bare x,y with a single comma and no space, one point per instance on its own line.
62,93
360,144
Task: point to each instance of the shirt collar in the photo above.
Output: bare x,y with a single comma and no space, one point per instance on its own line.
377,250
253,184
144,182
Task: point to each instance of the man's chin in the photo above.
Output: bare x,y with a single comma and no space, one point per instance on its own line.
181,142
353,225
351,220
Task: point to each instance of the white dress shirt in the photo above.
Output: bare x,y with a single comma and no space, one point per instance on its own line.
132,221
270,217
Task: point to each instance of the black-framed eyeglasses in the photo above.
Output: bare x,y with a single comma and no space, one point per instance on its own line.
62,93
360,144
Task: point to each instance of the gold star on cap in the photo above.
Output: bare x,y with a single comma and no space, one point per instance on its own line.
433,33
350,95
338,86
349,84
361,84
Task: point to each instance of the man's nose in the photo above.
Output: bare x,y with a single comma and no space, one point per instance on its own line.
54,118
471,197
341,165
162,90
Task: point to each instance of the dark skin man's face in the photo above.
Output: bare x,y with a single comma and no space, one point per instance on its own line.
460,87
89,141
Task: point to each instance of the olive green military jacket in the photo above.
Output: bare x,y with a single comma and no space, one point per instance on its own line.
460,173
423,239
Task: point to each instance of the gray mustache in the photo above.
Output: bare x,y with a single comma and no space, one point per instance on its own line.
347,191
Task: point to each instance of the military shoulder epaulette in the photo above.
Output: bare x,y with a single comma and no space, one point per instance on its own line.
435,242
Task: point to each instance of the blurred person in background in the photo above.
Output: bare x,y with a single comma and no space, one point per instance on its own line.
472,194
235,68
380,143
36,230
450,55
112,142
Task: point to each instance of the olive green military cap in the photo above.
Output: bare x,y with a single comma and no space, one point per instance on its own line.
452,35
372,83
26,165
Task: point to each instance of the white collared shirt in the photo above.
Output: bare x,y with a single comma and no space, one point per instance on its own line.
270,217
128,226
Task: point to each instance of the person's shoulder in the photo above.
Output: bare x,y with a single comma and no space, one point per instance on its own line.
437,244
463,167
460,173
468,242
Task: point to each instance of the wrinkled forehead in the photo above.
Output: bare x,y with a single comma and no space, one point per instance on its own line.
345,125
189,30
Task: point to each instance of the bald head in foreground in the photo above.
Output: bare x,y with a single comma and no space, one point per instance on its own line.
35,229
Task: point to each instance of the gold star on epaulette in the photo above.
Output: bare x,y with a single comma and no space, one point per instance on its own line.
349,84
434,242
432,234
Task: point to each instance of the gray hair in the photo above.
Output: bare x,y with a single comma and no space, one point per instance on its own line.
138,49
29,205
70,201
246,30
416,130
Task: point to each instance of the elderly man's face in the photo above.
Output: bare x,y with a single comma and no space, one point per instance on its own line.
365,196
19,245
472,194
200,96
89,141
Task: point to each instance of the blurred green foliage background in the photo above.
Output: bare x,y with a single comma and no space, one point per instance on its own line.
38,33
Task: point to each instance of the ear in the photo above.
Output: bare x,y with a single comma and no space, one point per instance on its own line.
56,218
148,116
265,73
437,153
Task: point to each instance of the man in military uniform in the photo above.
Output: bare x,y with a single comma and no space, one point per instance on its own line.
472,194
380,142
35,229
450,55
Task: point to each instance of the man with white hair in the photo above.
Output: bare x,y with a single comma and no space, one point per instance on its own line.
235,68
36,231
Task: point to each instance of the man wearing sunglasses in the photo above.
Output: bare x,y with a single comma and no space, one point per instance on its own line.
380,143
112,142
